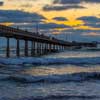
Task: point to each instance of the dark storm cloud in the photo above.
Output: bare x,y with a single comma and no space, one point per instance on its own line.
91,21
16,16
60,18
61,7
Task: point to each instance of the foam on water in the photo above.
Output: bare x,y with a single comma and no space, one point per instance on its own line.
65,84
56,97
53,82
49,61
75,77
60,97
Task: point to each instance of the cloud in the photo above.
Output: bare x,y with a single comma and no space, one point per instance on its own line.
91,21
53,26
26,20
74,1
91,1
66,1
61,7
60,18
72,34
81,35
16,16
42,25
67,4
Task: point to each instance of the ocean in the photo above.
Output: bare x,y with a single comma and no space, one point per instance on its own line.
69,75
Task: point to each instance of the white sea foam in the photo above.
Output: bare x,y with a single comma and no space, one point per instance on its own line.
82,76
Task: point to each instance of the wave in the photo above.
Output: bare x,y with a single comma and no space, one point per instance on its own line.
63,97
75,77
49,61
4,76
57,97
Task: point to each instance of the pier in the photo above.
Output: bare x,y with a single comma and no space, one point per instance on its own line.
40,44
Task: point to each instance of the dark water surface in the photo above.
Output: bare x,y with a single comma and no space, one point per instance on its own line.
52,77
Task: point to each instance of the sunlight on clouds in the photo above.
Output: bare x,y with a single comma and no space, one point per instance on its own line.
71,14
86,28
69,22
7,24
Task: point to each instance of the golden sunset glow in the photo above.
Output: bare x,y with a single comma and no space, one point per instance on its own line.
7,24
72,14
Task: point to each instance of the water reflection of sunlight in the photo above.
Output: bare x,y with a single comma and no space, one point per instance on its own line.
60,70
73,53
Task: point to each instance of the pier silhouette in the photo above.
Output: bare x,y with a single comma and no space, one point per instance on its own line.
40,44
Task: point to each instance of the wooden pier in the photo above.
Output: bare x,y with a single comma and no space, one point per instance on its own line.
40,44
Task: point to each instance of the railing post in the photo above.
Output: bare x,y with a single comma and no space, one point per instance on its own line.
8,48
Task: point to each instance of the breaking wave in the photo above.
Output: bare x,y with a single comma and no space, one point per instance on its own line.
75,77
62,97
58,97
49,61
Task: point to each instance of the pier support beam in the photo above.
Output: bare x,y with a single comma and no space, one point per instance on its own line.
41,48
45,48
50,48
8,48
54,47
17,49
38,49
33,48
26,48
63,48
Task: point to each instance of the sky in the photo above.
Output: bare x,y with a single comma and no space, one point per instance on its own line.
79,19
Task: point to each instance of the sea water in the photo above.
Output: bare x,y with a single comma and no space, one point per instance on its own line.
70,75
